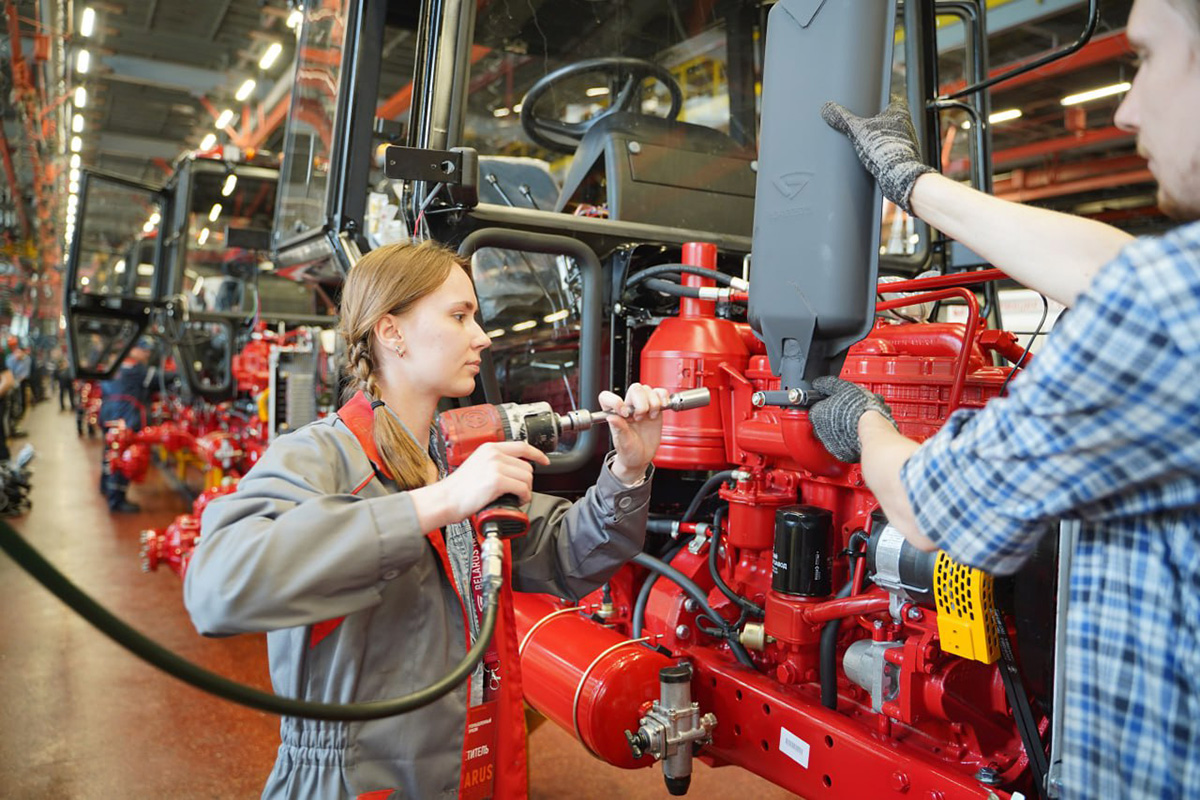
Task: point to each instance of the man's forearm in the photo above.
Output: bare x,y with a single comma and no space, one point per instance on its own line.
1052,253
884,451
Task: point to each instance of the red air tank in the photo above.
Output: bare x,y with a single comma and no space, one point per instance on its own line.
686,352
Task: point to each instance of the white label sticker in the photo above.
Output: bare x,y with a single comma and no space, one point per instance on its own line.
793,747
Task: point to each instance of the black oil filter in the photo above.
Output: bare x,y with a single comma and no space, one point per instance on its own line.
802,560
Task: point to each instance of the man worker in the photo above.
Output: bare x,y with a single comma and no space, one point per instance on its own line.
124,397
1103,428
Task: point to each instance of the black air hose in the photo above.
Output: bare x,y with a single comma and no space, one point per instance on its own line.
675,269
158,656
714,543
829,637
697,594
709,486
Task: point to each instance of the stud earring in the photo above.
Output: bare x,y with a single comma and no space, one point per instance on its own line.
399,351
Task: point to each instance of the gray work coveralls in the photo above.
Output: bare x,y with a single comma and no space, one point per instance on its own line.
313,533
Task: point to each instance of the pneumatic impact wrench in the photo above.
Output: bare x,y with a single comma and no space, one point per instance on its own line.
465,429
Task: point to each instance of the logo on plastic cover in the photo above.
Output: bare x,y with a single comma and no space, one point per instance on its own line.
791,184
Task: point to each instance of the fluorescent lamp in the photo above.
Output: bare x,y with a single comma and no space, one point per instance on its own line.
1004,116
1096,94
495,334
524,326
76,144
77,123
556,316
203,237
244,91
149,226
268,58
83,62
80,97
501,112
73,176
295,18
230,183
517,108
155,218
216,212
72,200
208,141
87,23
597,91
76,161
73,187
119,267
85,280
225,118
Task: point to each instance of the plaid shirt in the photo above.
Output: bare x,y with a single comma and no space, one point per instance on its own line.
1103,428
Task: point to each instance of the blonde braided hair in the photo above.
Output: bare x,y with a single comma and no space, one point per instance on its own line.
389,280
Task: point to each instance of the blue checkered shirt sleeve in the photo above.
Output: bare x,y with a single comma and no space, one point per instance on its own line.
1104,425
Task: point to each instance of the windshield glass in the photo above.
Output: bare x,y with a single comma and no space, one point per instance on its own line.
620,110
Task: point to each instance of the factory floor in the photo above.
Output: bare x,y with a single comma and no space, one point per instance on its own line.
81,718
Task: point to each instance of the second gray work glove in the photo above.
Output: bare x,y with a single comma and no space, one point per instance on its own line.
835,419
887,146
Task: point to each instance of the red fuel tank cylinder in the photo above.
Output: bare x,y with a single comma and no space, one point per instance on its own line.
586,678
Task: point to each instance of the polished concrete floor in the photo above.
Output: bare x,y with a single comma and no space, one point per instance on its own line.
82,718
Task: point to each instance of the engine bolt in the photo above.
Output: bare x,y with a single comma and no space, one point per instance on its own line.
914,613
689,605
682,631
900,782
987,776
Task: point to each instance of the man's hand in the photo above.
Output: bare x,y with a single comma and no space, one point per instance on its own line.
835,419
636,428
887,146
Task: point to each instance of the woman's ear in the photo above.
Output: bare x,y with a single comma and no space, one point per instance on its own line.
388,333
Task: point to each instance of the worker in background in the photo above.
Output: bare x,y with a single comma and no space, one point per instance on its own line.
1103,428
64,381
350,546
19,363
124,397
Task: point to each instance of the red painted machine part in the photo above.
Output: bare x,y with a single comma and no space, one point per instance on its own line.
618,677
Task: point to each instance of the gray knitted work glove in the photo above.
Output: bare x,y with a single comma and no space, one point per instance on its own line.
835,419
887,146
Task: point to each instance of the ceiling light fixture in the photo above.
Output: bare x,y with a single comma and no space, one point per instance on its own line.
268,58
225,118
76,161
524,326
1096,94
87,22
73,176
501,112
597,91
295,18
230,183
216,212
203,237
245,90
208,141
76,144
77,123
556,316
83,62
80,97
998,117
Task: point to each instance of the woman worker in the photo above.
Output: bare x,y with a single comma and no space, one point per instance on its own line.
352,551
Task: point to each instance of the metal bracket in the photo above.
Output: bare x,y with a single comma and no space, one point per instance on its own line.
418,164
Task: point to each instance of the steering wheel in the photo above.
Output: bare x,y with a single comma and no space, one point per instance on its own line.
626,73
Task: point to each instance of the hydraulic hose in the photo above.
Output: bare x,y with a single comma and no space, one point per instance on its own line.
697,594
158,656
709,486
714,543
829,637
675,269
639,605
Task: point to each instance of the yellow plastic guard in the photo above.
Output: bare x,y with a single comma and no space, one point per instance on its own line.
964,605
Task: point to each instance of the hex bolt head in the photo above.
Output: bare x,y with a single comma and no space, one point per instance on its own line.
634,147
683,631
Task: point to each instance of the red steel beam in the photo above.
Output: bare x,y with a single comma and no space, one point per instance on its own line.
11,174
1066,173
399,102
1099,50
1048,147
1078,187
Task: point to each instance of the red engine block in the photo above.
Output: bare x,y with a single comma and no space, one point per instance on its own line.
945,733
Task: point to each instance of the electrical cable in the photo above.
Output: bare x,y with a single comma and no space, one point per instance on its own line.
421,214
639,605
714,542
30,560
1025,356
698,595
